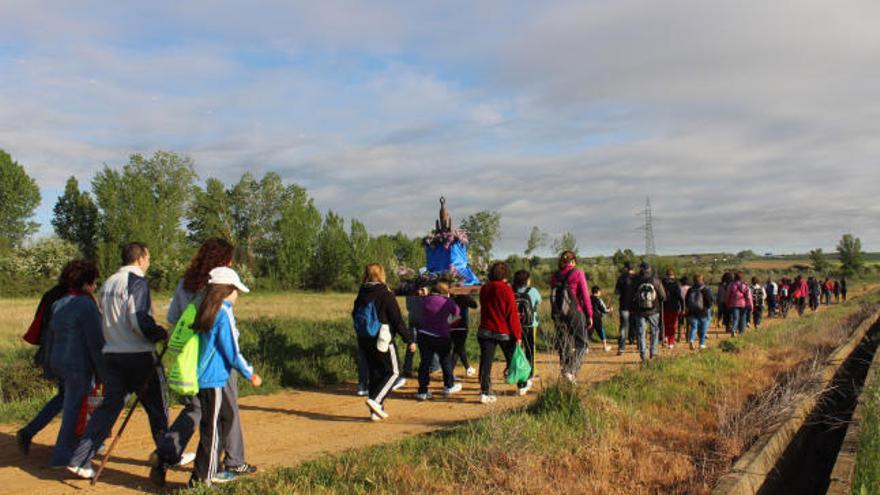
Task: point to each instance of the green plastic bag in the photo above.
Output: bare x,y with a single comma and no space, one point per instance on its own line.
519,369
183,347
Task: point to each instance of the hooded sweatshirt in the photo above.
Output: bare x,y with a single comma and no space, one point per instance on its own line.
386,308
219,351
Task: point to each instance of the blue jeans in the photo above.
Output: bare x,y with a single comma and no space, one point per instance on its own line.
75,386
46,414
642,324
625,326
700,325
738,319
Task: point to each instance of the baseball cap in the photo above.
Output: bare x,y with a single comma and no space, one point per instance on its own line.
226,275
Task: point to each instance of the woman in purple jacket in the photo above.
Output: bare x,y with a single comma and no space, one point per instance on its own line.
438,311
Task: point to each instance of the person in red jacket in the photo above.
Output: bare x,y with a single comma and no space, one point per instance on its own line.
572,329
499,327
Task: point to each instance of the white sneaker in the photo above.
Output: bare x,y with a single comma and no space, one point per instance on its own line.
449,391
377,408
101,450
702,346
84,473
399,383
425,396
186,458
487,399
570,377
362,392
471,372
607,348
375,417
524,390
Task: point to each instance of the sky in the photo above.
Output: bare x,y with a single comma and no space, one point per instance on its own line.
750,124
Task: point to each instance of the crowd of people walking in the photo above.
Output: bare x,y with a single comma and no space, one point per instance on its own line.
101,346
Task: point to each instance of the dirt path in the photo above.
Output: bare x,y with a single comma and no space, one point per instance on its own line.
293,426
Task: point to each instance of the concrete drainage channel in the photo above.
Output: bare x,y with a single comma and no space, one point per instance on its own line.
798,457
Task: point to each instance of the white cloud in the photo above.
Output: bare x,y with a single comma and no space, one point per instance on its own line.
750,124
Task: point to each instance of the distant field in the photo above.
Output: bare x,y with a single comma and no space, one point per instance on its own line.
16,313
774,264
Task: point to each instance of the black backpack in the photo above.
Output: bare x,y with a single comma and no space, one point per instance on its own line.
563,304
524,309
696,302
646,296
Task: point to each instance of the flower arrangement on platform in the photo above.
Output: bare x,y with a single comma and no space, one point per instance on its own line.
445,238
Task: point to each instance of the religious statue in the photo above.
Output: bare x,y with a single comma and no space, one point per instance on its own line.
444,224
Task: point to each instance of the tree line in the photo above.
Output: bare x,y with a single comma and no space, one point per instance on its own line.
282,239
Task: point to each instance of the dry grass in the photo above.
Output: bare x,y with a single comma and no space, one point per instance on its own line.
15,316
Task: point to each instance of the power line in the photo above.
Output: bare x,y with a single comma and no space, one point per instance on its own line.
648,228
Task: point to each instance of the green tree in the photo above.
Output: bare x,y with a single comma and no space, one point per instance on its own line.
19,197
852,259
256,208
329,266
144,201
359,242
483,228
537,240
297,230
210,213
409,252
820,263
746,255
565,243
76,219
622,257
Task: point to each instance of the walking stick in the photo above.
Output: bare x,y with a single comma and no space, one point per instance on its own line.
131,409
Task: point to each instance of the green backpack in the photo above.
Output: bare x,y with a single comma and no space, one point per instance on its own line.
183,347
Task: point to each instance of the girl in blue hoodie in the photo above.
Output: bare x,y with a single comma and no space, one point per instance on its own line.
218,354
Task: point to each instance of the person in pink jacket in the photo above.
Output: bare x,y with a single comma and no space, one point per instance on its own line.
739,301
572,329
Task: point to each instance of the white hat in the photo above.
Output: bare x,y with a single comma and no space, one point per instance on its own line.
225,275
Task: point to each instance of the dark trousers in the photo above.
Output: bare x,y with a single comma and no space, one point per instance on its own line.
571,342
74,386
213,428
383,366
528,342
430,346
487,356
140,373
408,357
175,440
459,348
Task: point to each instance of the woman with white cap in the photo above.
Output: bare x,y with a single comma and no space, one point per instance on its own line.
218,354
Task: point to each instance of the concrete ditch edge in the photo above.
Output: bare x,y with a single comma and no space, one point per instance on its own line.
752,468
845,466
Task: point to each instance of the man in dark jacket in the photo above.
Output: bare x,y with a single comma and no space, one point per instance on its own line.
647,301
624,289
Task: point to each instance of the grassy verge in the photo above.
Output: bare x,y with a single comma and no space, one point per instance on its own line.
664,428
867,476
